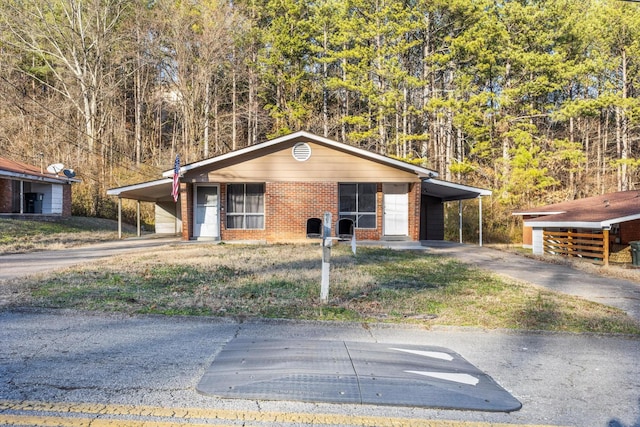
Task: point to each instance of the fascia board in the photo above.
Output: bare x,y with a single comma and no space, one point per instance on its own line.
462,187
521,213
141,186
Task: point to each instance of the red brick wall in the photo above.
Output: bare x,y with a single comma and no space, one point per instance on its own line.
288,206
186,210
5,196
415,201
66,200
630,231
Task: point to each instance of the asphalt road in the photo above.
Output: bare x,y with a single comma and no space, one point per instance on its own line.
135,369
142,368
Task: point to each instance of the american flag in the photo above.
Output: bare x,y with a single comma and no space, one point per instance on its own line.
175,190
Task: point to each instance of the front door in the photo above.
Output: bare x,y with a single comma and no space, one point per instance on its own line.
206,219
396,210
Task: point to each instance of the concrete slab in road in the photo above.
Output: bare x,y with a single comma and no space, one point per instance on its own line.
352,372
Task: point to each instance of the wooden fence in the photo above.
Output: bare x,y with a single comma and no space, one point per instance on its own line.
583,245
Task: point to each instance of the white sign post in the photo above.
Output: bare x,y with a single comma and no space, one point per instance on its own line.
327,242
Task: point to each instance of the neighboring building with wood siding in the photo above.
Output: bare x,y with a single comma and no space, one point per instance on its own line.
270,192
612,219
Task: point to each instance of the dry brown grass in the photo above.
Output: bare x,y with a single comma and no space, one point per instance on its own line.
283,281
21,236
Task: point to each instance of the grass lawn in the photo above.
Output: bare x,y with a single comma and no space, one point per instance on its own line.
283,281
19,236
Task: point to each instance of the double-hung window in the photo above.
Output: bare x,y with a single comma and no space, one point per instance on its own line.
245,206
358,203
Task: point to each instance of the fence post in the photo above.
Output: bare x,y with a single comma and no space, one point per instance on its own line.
605,246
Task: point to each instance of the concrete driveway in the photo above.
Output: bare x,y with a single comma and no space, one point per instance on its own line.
622,294
21,265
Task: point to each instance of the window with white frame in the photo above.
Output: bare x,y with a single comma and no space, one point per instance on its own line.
358,203
245,206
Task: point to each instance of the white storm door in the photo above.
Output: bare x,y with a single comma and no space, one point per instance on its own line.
396,209
206,207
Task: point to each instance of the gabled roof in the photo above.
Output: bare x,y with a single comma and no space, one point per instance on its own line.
22,171
160,190
592,212
211,163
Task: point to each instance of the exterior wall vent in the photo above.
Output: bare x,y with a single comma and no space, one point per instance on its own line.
301,151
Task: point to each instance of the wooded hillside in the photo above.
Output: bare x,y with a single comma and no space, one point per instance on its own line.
536,100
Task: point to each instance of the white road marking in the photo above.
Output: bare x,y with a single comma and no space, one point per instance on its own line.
449,376
433,354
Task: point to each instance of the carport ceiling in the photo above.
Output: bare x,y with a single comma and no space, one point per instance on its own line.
449,191
153,191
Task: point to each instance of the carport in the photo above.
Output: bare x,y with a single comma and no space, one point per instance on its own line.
158,192
436,192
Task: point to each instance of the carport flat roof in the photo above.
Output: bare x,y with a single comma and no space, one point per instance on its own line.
151,191
449,191
160,190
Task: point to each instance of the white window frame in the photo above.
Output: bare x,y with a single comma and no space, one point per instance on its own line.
357,214
244,214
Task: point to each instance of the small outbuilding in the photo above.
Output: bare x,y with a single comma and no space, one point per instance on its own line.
27,190
279,190
587,228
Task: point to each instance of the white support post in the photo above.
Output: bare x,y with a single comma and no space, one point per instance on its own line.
460,220
119,218
480,220
138,219
21,197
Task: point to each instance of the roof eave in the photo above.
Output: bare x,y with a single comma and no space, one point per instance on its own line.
539,213
605,223
119,191
39,178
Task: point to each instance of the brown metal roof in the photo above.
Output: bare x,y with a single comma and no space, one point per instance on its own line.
598,211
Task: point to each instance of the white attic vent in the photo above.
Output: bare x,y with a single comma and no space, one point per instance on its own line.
301,151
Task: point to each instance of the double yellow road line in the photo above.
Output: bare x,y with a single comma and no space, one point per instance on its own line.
52,414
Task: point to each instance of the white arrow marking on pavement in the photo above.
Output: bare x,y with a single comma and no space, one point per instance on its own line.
432,354
448,376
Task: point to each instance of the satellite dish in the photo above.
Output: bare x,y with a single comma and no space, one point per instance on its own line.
55,168
69,173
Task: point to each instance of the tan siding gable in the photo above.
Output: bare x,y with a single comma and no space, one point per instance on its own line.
325,165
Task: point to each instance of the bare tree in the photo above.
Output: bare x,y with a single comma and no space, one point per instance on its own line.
73,39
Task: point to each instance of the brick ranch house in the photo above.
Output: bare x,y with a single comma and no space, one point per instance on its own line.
593,227
278,190
30,191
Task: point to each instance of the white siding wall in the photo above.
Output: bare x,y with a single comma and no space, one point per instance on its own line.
538,243
56,199
165,217
51,199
